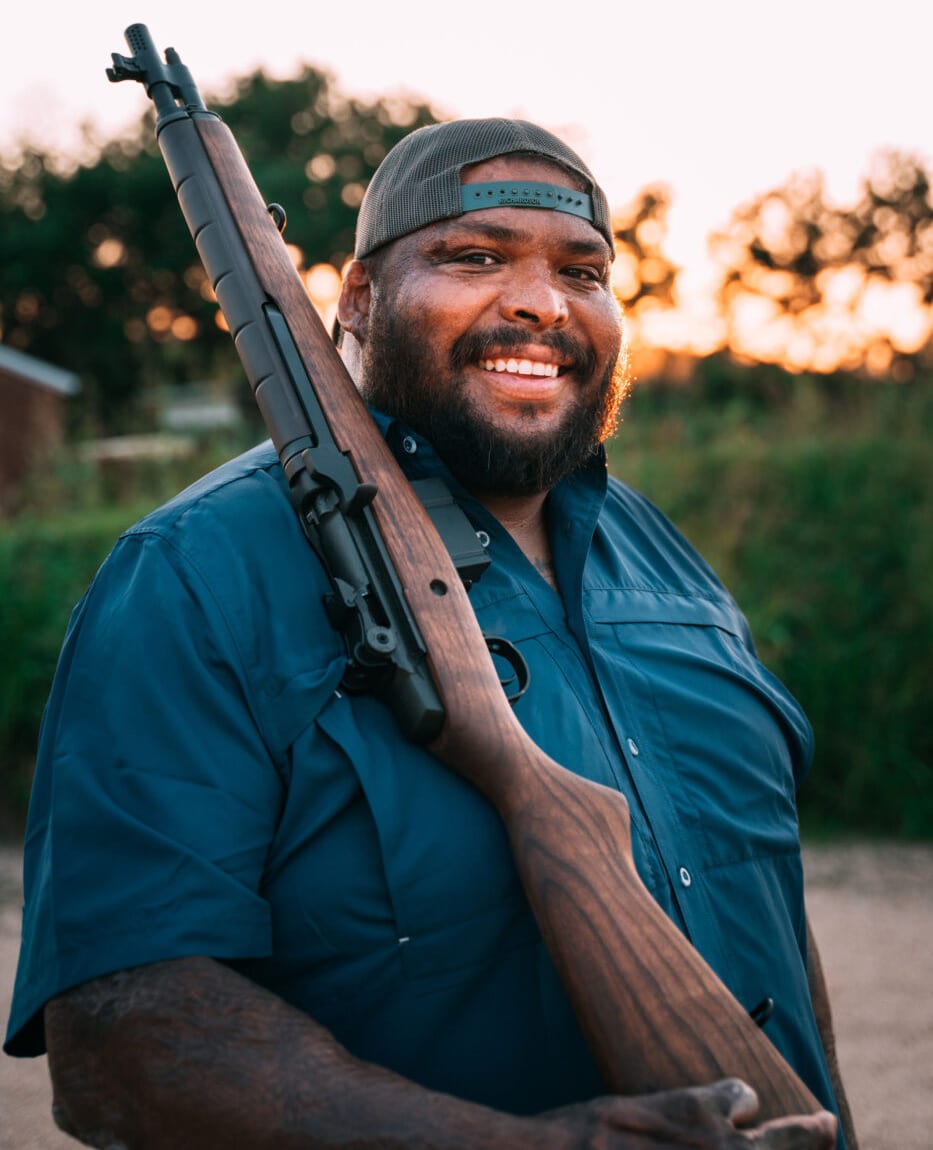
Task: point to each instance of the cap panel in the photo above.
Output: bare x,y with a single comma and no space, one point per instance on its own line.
418,183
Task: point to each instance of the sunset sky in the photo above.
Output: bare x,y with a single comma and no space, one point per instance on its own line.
722,100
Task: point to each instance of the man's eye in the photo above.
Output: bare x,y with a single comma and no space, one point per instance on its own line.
590,275
477,259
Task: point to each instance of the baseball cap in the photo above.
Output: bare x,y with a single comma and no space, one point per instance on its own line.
418,182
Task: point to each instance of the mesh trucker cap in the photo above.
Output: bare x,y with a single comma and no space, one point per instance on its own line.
418,183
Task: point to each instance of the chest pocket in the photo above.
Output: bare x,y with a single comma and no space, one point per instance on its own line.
454,896
642,606
720,740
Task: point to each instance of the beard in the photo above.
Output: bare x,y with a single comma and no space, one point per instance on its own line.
400,378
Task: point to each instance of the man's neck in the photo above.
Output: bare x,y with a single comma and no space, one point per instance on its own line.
523,516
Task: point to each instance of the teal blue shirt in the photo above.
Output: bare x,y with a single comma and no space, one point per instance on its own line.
204,787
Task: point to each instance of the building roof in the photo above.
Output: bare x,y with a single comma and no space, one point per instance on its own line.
27,367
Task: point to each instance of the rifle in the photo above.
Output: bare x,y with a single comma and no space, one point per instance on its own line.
653,1013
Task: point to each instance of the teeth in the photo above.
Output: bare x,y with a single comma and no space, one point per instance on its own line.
522,367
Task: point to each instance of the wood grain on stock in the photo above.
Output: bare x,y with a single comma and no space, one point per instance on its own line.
654,1014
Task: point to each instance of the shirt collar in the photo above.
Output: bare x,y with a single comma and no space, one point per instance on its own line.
576,501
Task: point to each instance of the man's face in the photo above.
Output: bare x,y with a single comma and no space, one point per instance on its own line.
496,335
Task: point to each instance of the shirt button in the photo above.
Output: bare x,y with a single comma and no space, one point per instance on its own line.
409,446
685,876
633,746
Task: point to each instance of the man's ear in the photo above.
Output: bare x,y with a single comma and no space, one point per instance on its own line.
354,302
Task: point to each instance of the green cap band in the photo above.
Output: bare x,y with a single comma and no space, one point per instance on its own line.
474,197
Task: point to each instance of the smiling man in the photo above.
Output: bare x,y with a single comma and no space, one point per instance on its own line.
256,916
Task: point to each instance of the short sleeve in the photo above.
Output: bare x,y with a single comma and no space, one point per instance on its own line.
155,797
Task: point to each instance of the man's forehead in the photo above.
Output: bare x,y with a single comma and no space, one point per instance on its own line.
514,165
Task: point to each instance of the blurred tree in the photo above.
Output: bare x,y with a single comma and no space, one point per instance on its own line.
643,276
822,286
99,273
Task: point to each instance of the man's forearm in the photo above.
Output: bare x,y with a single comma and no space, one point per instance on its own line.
190,1054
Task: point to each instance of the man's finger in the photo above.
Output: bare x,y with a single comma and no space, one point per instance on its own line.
815,1132
732,1098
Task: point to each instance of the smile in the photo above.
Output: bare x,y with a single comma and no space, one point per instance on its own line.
521,367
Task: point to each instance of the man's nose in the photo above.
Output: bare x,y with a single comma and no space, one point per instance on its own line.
534,300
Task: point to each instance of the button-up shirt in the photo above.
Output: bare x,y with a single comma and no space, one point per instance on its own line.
205,786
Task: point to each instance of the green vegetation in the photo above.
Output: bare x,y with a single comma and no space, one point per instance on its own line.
100,273
813,498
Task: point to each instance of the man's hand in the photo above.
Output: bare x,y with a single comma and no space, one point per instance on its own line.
715,1117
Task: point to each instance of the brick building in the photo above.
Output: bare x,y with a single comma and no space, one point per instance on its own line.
32,413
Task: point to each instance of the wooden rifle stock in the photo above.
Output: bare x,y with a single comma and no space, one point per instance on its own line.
655,1016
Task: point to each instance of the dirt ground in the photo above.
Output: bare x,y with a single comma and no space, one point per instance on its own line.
872,913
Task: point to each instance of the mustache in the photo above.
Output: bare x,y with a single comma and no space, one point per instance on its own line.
471,347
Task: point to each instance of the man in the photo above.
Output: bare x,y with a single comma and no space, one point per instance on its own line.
255,915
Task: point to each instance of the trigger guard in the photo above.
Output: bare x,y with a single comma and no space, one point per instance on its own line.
508,651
